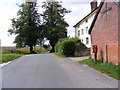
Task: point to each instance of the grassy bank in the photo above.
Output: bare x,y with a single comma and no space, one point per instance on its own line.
58,54
8,57
107,68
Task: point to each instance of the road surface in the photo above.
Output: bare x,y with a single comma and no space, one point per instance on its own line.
50,71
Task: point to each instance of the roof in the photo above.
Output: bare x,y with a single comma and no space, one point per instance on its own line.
85,17
95,18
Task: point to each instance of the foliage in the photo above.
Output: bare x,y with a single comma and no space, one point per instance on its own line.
53,22
46,46
69,46
107,68
27,26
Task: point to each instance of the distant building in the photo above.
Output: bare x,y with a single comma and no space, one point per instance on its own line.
82,27
105,32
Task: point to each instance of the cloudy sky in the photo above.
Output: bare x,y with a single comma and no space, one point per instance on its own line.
9,8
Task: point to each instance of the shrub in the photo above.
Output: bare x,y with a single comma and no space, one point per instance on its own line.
69,46
46,46
58,47
80,46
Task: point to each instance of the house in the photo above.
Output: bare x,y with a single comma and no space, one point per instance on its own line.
105,32
82,27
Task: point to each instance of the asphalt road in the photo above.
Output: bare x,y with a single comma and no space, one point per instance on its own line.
49,71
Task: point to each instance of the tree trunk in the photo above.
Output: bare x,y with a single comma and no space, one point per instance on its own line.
52,43
31,48
53,48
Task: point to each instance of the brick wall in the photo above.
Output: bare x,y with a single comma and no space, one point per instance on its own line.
119,35
85,52
105,33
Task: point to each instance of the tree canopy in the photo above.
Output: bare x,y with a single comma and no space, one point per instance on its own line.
30,31
26,26
55,26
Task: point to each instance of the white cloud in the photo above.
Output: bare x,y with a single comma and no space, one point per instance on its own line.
9,11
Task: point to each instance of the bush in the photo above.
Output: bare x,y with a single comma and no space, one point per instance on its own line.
69,46
46,46
80,46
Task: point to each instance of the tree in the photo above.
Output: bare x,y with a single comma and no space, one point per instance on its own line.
27,26
55,26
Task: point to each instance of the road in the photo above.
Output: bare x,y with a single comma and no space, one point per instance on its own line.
50,71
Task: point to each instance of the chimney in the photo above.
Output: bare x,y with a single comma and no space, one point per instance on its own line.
93,5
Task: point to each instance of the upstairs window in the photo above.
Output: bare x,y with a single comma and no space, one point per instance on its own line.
82,31
86,20
86,30
78,33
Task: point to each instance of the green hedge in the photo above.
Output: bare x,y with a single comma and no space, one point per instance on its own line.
69,46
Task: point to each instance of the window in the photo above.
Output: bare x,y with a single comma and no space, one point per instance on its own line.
87,40
86,29
82,31
78,33
82,40
86,20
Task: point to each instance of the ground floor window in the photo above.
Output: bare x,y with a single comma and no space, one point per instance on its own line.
82,40
87,40
78,33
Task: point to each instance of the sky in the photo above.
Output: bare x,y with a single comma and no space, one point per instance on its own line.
9,9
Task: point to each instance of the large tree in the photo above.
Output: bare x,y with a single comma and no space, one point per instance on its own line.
55,26
26,26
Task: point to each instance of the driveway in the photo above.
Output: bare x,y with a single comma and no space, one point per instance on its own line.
50,71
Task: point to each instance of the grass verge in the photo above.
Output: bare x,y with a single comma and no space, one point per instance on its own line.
8,57
59,55
41,51
107,68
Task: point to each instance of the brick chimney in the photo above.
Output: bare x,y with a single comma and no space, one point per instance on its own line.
93,5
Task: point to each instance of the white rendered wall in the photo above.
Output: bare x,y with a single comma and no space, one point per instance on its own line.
83,26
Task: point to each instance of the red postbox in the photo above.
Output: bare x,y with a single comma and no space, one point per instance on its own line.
94,49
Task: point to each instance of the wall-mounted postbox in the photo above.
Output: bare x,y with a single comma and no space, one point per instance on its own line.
94,49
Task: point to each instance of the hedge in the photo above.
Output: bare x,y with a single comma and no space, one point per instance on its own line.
69,46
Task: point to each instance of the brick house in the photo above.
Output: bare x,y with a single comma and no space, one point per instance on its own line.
105,32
